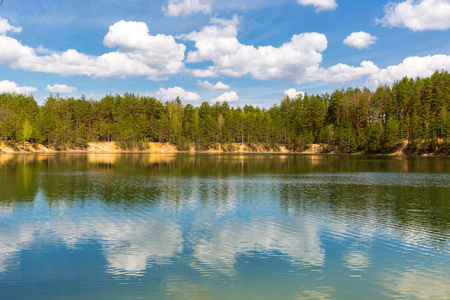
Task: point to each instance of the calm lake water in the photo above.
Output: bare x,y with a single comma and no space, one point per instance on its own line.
148,226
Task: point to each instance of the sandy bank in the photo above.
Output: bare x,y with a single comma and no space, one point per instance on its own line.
401,149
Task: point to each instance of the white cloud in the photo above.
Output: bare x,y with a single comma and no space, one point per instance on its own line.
138,54
360,40
5,27
61,88
418,15
228,97
11,51
293,93
214,41
213,87
320,4
412,67
297,60
177,8
203,73
159,52
173,93
341,73
42,50
7,86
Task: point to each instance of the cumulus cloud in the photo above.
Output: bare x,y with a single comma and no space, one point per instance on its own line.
360,40
296,60
228,97
158,52
213,87
203,73
61,88
173,93
7,86
418,15
175,8
42,50
293,93
138,54
412,67
5,27
341,73
320,4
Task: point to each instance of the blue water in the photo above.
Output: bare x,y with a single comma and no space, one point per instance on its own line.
224,226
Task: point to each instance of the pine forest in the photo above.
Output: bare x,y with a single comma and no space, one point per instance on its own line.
349,120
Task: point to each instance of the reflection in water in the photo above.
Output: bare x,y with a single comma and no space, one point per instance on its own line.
322,294
187,290
112,158
356,260
12,241
129,250
223,226
99,159
233,164
128,245
5,158
420,284
218,249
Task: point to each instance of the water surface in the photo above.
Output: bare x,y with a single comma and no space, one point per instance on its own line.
146,226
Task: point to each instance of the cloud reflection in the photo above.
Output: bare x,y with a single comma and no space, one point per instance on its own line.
420,284
218,250
129,246
356,260
128,251
12,241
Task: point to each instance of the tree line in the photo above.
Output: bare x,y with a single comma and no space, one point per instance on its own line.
352,119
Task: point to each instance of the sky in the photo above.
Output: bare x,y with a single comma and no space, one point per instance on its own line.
243,52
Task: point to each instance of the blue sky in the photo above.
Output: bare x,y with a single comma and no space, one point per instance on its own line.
245,52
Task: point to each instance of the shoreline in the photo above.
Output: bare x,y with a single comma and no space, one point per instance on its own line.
167,148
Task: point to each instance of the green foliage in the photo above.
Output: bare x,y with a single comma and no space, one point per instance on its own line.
26,131
347,140
374,137
416,110
183,144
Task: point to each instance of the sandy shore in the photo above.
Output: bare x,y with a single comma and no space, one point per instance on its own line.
112,147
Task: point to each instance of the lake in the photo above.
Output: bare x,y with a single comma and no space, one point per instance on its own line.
153,226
